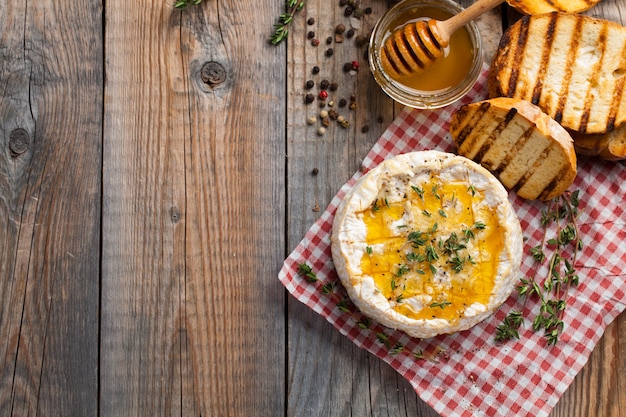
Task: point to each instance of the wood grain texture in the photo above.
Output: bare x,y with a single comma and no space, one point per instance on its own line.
50,139
328,375
192,311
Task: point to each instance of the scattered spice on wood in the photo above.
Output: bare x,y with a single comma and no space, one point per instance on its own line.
360,40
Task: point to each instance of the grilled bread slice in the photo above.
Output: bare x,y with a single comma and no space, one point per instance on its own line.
547,6
572,66
610,146
526,149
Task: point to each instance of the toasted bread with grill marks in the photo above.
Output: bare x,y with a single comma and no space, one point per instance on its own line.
547,6
610,146
527,150
572,66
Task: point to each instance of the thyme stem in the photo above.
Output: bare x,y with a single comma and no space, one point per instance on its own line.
281,29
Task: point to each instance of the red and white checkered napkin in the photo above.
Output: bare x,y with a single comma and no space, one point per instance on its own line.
468,373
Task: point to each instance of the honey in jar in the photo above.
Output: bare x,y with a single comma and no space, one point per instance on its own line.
448,70
449,78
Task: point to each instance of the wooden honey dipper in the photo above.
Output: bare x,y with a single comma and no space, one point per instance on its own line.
417,45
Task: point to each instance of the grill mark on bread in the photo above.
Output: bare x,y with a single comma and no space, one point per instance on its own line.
517,56
590,98
552,184
514,152
469,126
619,91
571,57
531,170
545,60
492,139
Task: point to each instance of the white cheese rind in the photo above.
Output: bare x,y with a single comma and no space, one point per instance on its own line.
348,241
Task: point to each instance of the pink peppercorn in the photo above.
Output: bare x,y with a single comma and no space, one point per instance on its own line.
323,94
355,65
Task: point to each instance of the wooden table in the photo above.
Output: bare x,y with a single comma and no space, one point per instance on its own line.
156,167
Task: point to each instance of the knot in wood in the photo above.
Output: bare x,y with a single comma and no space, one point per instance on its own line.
18,142
212,73
174,215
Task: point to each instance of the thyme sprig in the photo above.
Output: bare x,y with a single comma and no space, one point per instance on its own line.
181,4
343,303
561,253
281,29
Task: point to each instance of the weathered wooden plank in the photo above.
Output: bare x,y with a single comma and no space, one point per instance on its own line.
193,211
50,136
328,375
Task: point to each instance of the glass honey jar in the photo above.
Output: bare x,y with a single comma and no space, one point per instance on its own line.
449,78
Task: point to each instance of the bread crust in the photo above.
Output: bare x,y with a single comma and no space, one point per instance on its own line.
530,7
610,146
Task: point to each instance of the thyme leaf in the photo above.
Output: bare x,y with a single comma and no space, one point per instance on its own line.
281,28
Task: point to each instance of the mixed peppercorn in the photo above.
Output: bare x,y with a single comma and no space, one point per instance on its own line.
325,91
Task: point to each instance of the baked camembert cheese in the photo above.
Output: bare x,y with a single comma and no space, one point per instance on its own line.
428,243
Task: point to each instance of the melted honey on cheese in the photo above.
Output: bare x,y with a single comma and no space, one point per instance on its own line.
413,246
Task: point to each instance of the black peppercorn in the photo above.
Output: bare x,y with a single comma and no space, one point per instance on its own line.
333,86
309,98
343,102
310,35
311,21
347,67
365,129
309,84
360,40
368,10
315,171
348,11
315,69
324,84
330,52
350,33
